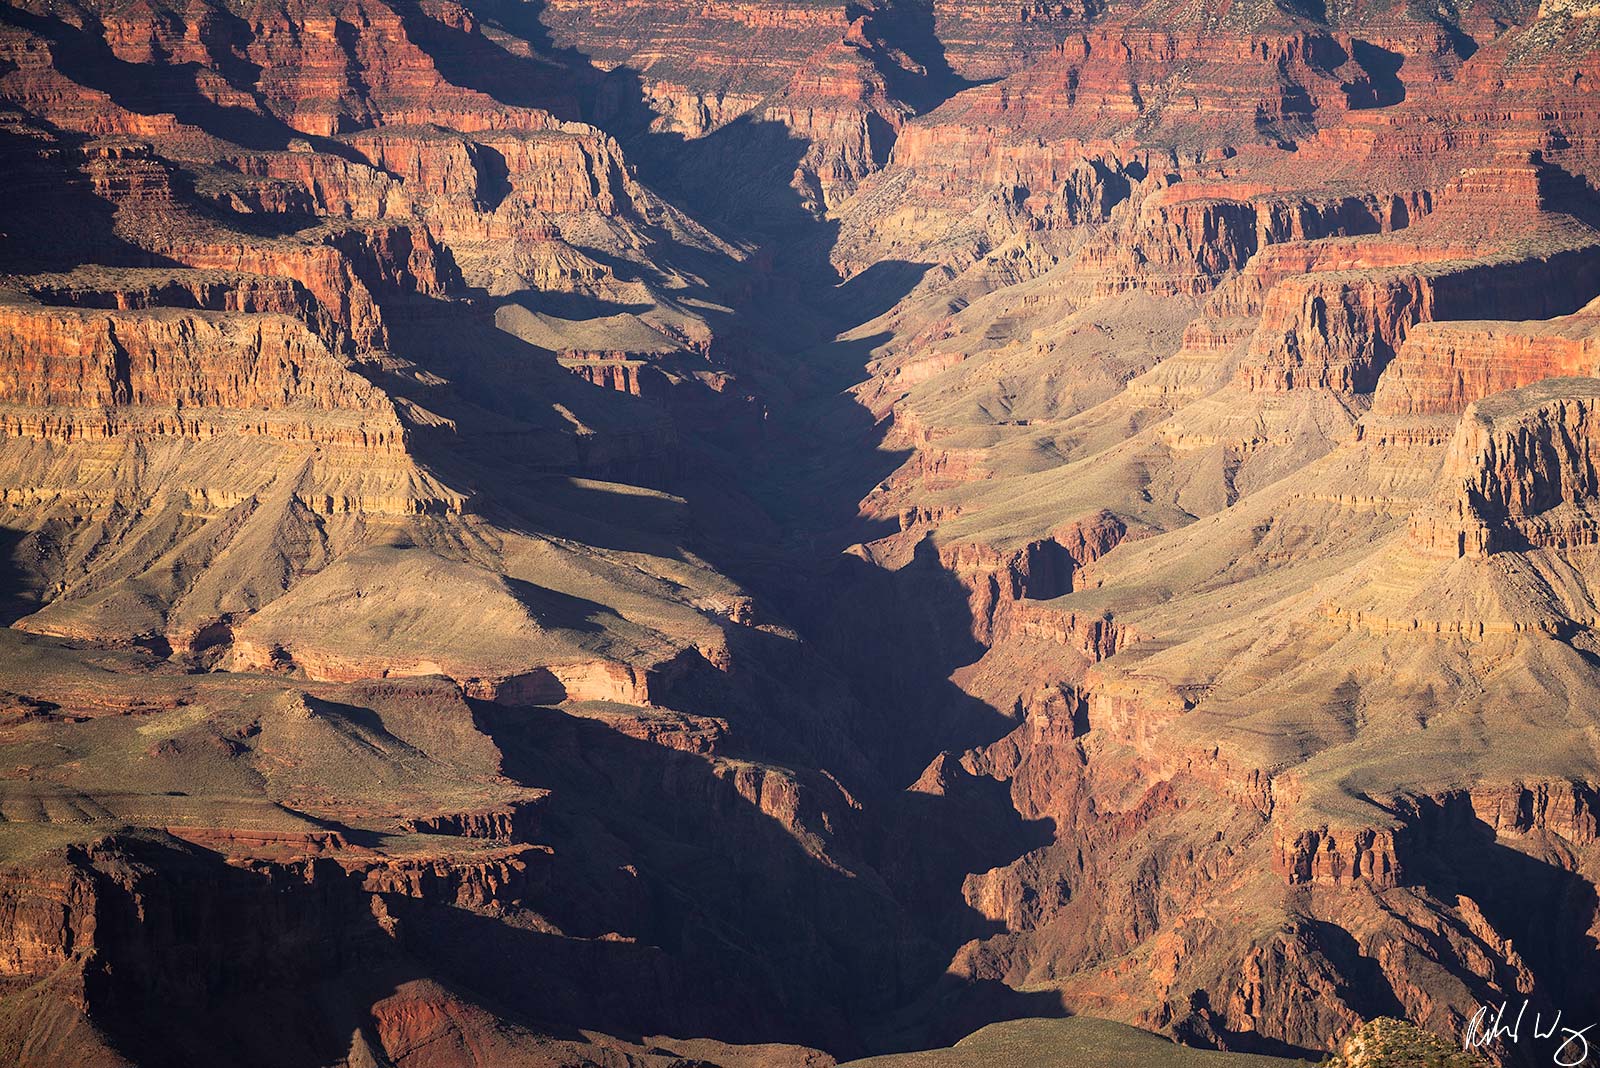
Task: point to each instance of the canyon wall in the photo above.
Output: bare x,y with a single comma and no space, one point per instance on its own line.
766,532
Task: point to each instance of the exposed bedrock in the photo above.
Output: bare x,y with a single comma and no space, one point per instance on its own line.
1414,912
318,75
1187,238
348,271
1443,366
1000,581
88,374
468,602
1338,330
1519,474
143,940
139,289
138,942
793,102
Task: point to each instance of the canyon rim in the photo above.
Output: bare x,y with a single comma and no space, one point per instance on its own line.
771,533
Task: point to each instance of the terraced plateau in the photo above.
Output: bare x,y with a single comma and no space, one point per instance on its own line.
786,532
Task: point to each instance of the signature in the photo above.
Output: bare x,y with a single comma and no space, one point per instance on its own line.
1492,1025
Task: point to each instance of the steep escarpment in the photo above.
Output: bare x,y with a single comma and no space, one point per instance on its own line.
1258,722
1163,741
1448,365
774,101
1520,465
1337,331
87,362
394,826
776,531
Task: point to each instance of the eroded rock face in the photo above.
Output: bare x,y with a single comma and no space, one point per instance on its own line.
1144,723
1338,332
729,525
838,80
1522,473
99,362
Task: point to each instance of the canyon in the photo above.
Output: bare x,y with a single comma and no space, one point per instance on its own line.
778,532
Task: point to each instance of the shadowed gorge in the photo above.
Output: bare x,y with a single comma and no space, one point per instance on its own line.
781,533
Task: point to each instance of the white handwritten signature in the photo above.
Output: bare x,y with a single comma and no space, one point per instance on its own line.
1489,1026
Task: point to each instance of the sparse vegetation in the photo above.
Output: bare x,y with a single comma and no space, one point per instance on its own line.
1391,1043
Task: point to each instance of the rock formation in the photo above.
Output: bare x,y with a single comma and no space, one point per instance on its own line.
770,532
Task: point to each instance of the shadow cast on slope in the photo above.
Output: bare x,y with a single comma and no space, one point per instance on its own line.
51,224
680,899
17,598
194,956
740,174
151,88
774,510
466,57
738,929
745,892
1545,909
894,638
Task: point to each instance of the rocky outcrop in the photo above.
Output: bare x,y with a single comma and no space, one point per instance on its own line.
1335,856
1096,636
500,878
999,582
1566,809
517,821
1519,473
84,374
1111,81
1443,367
1134,709
634,377
46,917
1338,330
346,270
136,289
318,75
597,680
1396,851
1188,237
833,77
571,169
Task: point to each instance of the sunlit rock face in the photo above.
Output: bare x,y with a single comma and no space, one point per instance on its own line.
763,533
